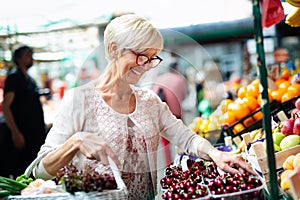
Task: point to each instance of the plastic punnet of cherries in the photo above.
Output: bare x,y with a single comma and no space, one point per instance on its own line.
202,180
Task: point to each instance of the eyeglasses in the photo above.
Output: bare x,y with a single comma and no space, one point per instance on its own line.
142,59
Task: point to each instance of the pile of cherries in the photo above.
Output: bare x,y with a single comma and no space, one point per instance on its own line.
202,177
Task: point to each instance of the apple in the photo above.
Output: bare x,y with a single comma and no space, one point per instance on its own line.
277,137
296,128
287,127
297,103
289,141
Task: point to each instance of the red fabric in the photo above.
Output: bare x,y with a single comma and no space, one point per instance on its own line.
272,12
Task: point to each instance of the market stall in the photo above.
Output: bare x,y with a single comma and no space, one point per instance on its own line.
253,123
242,121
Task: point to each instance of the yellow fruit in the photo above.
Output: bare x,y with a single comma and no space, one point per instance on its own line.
288,163
284,184
296,161
295,3
293,18
285,174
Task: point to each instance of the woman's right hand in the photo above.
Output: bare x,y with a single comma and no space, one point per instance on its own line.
94,147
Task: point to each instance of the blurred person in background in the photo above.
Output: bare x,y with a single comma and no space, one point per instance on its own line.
113,117
199,84
23,114
172,88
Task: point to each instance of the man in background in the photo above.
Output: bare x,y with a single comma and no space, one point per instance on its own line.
23,114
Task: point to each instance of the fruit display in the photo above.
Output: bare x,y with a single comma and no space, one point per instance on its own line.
202,180
285,133
290,163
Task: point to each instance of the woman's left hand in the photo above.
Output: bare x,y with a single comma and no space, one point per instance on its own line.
231,163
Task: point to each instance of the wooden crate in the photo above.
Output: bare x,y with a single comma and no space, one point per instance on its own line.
294,180
259,162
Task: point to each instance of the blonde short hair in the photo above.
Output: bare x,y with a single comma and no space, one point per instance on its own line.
132,32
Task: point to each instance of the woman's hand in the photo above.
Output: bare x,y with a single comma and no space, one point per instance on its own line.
231,163
94,147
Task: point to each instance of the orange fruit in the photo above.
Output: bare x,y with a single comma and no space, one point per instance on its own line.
277,94
242,92
252,90
250,102
229,118
248,121
258,116
284,85
259,98
224,104
294,89
256,82
287,96
239,100
278,81
239,110
292,93
285,74
238,128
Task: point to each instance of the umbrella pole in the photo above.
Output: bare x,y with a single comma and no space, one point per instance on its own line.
265,105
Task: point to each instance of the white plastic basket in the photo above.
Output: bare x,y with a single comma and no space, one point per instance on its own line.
120,193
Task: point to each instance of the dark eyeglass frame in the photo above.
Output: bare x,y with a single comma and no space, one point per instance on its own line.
148,59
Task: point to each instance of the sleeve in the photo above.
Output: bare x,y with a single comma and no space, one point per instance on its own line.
67,121
175,131
40,171
11,83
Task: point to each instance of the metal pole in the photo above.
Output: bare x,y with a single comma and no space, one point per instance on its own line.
265,106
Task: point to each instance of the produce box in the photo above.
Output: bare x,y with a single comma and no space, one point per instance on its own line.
259,160
294,180
199,179
212,136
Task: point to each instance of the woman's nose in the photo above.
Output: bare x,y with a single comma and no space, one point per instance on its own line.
148,66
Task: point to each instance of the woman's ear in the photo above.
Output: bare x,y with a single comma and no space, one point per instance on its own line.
113,52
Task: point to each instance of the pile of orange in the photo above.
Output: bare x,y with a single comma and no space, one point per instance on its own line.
243,106
286,91
249,99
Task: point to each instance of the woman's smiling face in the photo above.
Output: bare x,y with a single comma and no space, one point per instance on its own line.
131,71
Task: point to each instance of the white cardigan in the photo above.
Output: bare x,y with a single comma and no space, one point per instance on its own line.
84,110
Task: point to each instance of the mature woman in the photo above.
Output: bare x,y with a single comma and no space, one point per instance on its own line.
111,117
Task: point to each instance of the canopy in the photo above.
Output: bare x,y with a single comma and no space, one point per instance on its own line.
36,16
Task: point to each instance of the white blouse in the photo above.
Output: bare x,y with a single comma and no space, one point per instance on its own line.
84,110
